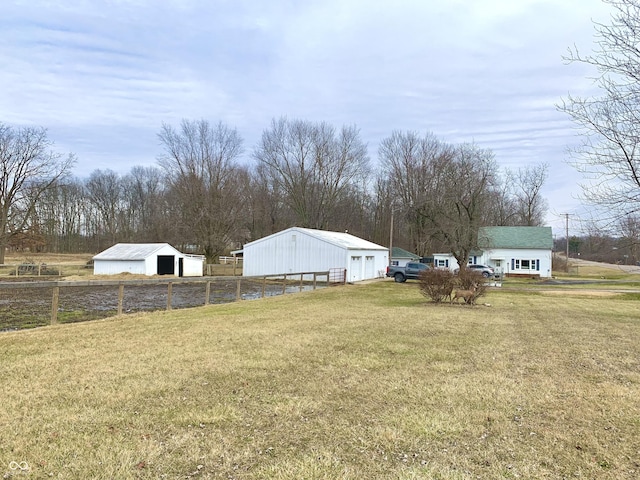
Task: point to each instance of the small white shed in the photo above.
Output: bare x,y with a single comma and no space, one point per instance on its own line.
301,250
147,259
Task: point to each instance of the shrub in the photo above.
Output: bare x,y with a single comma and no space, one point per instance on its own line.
436,284
467,279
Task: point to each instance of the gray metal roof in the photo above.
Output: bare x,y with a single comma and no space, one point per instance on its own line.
340,239
131,251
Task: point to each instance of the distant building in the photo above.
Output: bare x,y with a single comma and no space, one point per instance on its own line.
147,259
400,257
301,250
511,251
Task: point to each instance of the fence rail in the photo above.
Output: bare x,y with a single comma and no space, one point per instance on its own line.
44,269
27,304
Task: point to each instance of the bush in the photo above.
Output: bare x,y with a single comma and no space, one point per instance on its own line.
468,279
436,284
439,284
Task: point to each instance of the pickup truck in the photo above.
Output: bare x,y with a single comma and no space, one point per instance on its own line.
409,272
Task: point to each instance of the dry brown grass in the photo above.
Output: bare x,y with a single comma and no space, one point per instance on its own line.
49,258
365,381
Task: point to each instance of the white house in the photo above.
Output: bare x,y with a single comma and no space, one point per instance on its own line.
301,250
511,251
147,259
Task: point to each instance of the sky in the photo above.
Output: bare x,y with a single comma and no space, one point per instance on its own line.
103,75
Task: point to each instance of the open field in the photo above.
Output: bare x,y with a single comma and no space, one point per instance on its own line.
353,382
74,266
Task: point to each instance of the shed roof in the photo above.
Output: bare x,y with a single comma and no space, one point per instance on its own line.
131,251
397,252
516,237
340,239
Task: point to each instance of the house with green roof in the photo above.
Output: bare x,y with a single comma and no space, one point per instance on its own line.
400,257
510,251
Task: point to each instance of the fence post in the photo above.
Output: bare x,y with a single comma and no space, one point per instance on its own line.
120,297
264,285
54,305
238,296
315,279
169,292
284,284
301,277
207,291
39,268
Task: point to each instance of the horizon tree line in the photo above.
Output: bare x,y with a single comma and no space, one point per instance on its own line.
309,174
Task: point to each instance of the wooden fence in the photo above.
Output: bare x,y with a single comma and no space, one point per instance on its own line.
232,290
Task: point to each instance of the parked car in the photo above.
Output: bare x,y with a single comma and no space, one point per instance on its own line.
484,269
411,271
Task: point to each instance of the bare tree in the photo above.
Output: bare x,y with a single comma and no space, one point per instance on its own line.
59,212
609,124
200,161
105,192
313,165
457,207
630,229
144,193
28,168
410,164
527,183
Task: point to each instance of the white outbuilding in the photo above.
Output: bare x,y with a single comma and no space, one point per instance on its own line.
147,259
302,250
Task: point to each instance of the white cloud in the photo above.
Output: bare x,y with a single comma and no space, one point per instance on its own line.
104,74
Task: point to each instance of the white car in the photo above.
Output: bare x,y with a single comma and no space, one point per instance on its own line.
484,269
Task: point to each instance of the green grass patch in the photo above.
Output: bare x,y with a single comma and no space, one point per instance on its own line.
364,381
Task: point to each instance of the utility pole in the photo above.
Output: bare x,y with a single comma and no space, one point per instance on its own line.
391,238
566,216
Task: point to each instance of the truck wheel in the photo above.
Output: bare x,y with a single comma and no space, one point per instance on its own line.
398,277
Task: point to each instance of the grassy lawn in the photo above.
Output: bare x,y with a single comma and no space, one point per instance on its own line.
356,382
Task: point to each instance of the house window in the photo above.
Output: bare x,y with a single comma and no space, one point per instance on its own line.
525,264
394,263
498,263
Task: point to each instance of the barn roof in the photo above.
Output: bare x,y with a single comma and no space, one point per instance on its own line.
131,251
340,239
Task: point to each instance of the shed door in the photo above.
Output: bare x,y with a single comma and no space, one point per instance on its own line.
355,269
166,265
369,267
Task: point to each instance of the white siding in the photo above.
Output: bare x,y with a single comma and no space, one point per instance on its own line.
296,251
193,265
290,252
113,267
509,258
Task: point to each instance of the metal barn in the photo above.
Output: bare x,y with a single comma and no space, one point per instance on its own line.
301,250
147,259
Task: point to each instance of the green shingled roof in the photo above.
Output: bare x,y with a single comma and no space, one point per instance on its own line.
397,252
515,237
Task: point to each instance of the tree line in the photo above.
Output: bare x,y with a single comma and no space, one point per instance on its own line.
201,197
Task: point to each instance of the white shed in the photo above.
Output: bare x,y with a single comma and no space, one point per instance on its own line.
147,259
301,250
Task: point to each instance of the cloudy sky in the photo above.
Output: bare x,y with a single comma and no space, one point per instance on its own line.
102,75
